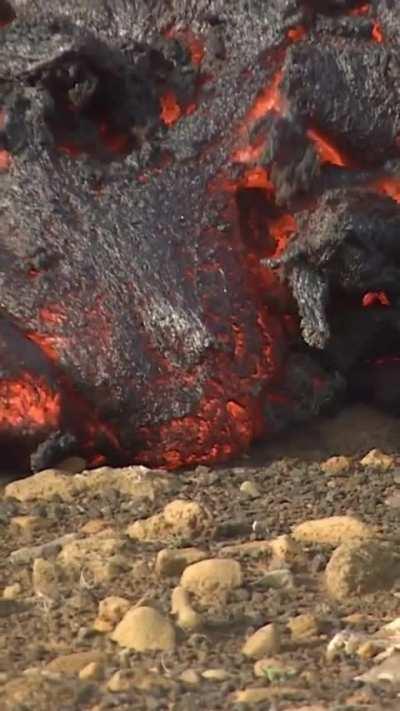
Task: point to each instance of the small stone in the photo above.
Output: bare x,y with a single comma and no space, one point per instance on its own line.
171,562
44,578
187,617
145,629
249,488
368,649
331,531
278,579
251,549
335,466
11,592
212,578
92,672
252,696
94,526
137,481
215,674
393,501
303,627
386,671
111,611
44,486
190,676
99,555
27,525
72,664
361,567
118,682
27,554
265,641
285,548
375,459
179,519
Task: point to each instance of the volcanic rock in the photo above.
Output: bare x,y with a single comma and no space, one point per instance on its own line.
359,567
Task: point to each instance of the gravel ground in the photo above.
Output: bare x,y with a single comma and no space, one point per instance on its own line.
271,583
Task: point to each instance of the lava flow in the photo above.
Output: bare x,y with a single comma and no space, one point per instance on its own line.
200,216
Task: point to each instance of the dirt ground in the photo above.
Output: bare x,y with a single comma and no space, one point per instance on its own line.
58,652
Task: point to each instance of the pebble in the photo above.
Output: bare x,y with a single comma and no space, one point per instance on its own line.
92,671
375,459
386,671
265,641
144,629
250,489
278,579
72,664
212,578
171,562
179,519
331,531
286,549
190,676
137,482
44,578
11,592
272,668
72,465
186,617
118,682
27,525
361,567
335,466
27,554
216,674
303,627
94,526
111,611
99,555
256,695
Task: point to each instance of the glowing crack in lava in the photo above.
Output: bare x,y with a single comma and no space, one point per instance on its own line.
186,206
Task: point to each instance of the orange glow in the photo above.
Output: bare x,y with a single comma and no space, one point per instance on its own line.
282,229
116,143
390,187
297,33
376,34
191,42
28,402
358,11
267,100
170,109
5,160
326,151
250,154
51,316
256,178
375,297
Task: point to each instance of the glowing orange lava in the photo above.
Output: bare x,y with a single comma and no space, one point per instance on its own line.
282,229
28,402
267,100
390,187
297,33
326,151
377,34
170,109
256,178
375,297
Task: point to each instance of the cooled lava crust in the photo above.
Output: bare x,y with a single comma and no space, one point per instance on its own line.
199,211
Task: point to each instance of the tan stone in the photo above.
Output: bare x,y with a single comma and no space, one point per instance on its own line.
359,567
336,465
171,562
248,549
178,519
212,578
285,548
119,682
144,629
375,459
44,486
94,526
250,489
11,592
264,641
99,556
216,674
252,696
137,482
44,578
92,671
331,531
72,465
113,608
27,525
71,664
273,668
190,677
186,617
303,627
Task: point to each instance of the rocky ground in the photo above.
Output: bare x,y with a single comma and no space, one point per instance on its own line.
272,583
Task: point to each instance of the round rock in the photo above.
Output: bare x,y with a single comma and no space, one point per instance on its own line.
144,629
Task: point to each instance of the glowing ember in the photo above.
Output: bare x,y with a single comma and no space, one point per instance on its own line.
282,229
376,34
326,151
297,33
170,109
390,187
375,297
268,100
256,178
28,403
